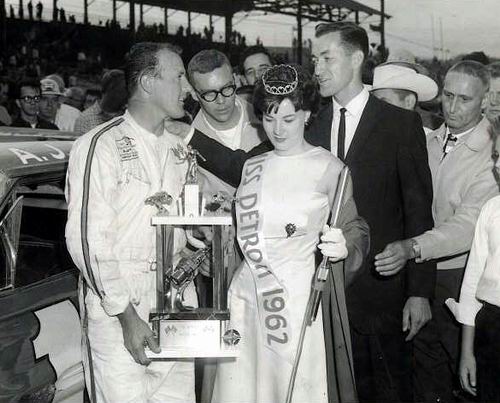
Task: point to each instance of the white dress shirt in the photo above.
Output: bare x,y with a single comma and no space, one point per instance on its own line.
354,110
231,137
482,274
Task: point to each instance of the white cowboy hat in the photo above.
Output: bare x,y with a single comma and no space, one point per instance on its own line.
403,77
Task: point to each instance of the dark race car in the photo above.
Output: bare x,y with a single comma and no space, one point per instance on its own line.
40,336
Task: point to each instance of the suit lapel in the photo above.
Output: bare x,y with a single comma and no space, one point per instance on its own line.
364,129
319,134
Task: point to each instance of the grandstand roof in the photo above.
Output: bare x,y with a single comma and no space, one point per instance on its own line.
214,7
325,10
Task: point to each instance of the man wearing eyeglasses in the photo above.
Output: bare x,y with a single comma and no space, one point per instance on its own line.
28,99
223,116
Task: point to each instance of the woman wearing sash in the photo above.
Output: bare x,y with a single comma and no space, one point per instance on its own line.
282,208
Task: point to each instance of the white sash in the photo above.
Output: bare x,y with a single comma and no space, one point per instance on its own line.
272,296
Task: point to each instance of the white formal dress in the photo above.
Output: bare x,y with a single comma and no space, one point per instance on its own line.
291,195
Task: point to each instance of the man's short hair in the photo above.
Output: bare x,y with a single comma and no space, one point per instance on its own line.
480,57
206,61
352,36
494,70
143,59
473,69
25,83
253,50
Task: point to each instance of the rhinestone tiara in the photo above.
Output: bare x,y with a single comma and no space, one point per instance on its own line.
280,87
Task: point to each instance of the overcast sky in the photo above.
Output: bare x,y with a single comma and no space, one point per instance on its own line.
457,26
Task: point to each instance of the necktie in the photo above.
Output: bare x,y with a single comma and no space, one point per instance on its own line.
341,135
449,143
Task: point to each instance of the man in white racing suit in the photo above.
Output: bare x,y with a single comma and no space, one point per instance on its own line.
112,170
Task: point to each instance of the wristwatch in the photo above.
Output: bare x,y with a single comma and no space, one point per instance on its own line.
416,249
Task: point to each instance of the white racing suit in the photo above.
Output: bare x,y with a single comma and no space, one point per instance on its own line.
112,170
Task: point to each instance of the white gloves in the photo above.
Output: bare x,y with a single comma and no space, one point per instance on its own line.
333,244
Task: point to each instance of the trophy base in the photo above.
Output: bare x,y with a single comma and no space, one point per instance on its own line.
191,334
168,354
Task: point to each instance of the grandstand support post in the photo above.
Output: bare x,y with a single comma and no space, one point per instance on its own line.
114,13
132,18
85,12
211,27
228,28
165,17
54,10
299,32
141,13
382,26
3,24
189,23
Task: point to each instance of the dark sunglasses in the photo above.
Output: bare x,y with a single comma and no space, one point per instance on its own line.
211,96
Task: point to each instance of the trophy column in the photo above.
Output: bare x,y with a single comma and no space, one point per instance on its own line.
184,331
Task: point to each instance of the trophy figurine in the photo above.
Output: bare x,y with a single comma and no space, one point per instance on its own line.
191,192
183,331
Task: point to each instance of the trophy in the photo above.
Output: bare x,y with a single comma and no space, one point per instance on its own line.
183,331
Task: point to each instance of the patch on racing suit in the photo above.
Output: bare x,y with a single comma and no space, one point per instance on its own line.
126,149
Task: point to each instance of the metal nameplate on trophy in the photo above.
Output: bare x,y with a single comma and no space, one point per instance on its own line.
183,331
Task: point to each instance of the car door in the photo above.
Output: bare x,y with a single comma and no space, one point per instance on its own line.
40,336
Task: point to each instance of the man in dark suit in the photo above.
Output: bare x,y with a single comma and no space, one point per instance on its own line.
384,147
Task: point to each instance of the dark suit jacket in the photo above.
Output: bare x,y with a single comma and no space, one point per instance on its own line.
392,190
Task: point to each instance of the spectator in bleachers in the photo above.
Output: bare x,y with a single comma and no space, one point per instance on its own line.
112,103
5,118
50,101
492,109
70,109
39,10
30,10
92,95
27,99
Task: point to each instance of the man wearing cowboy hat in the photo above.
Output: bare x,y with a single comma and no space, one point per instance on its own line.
401,84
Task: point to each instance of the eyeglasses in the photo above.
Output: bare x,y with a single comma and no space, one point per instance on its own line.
31,99
211,96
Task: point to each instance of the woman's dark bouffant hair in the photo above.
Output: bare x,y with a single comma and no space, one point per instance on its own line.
305,96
